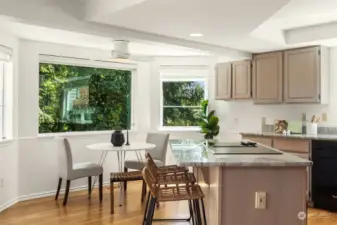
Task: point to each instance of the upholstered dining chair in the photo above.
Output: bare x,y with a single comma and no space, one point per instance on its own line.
72,171
158,153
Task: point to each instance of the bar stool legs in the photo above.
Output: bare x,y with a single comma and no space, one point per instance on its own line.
191,212
146,209
150,213
194,209
203,211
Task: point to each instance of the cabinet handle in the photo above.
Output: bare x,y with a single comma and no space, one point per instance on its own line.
334,196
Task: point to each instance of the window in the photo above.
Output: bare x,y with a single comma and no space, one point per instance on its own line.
180,101
2,111
83,98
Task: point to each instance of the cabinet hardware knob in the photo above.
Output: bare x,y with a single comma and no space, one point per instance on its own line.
334,196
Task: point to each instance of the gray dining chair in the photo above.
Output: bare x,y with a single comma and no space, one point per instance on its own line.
158,153
72,171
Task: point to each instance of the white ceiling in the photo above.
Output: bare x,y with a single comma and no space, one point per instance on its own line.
220,20
230,27
299,13
44,34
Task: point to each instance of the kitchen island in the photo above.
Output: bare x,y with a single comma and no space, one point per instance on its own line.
321,149
231,182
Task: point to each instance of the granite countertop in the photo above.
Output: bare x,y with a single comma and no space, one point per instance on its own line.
194,153
327,137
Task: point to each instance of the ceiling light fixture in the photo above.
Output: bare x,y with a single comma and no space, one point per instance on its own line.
196,35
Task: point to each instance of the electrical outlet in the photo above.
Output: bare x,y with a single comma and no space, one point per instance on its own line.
260,200
1,182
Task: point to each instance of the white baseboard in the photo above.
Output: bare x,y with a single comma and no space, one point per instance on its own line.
44,194
8,204
51,193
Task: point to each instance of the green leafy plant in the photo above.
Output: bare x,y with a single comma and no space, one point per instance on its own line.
208,121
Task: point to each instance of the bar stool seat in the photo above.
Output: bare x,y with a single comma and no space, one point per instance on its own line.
175,178
121,177
129,176
171,169
178,193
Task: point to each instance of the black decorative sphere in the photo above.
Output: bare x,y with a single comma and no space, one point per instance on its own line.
117,138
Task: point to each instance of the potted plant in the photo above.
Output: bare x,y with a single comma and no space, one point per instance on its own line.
208,121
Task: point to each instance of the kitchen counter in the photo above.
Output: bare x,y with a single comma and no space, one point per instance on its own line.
230,183
195,153
325,137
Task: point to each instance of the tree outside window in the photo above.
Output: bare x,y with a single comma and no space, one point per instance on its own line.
78,98
180,101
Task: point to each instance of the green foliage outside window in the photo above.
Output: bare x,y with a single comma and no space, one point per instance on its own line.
77,98
181,99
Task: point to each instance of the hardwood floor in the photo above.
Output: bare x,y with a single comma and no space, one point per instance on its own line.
81,210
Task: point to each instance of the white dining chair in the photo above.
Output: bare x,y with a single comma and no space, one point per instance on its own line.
72,171
158,153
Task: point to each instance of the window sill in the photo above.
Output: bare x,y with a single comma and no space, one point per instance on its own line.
6,142
78,134
180,129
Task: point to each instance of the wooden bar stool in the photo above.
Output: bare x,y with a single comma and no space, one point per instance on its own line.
165,169
121,177
170,174
188,192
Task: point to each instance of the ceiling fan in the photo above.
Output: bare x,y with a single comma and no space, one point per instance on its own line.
121,53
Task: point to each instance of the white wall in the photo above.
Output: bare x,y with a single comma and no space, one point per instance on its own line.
9,149
38,155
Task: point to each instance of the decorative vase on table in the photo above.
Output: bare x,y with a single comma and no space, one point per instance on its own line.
117,138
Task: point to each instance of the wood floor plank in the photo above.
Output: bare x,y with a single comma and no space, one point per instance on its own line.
81,210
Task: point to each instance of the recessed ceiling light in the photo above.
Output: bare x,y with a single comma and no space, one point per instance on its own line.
196,35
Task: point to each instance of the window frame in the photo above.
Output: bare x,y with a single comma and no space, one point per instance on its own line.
2,107
7,76
180,76
62,60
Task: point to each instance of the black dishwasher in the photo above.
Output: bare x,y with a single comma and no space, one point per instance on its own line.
324,174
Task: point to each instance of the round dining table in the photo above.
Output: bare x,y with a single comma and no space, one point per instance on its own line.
106,147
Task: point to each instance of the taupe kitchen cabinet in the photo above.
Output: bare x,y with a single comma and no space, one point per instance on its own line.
242,80
233,80
223,81
306,75
267,78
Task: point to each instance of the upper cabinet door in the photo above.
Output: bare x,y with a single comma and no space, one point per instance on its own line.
242,77
223,81
302,75
267,77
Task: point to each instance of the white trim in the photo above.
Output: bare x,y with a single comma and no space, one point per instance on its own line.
187,129
52,193
180,106
6,142
83,62
179,79
12,202
8,204
6,50
5,57
74,134
181,75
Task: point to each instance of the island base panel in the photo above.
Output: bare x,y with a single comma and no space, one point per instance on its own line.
230,194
